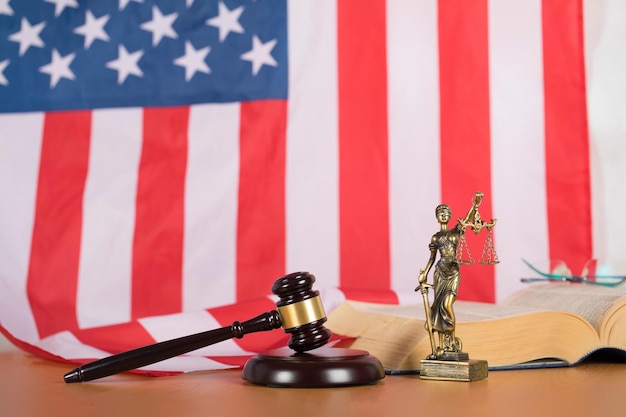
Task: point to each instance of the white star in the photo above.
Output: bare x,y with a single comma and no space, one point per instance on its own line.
126,64
28,36
193,60
3,65
189,3
5,8
58,68
123,3
60,5
93,28
160,26
226,21
260,54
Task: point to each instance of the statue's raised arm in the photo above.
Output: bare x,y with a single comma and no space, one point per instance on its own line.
472,218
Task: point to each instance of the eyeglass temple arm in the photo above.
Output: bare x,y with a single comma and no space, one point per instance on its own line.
621,278
543,273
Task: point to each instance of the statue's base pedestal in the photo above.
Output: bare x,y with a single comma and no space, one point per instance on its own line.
445,370
319,368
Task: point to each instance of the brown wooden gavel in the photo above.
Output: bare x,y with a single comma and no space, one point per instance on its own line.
299,311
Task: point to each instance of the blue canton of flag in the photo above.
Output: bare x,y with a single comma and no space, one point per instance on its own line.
62,54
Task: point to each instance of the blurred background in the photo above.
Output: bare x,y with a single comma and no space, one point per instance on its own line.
155,196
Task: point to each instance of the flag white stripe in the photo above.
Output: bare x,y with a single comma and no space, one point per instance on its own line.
211,192
517,138
312,224
67,346
186,363
173,326
605,32
20,150
105,266
414,145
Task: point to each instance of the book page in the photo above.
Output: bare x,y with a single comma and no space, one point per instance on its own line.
389,337
465,311
503,334
589,301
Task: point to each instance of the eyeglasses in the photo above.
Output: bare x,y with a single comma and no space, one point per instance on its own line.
609,273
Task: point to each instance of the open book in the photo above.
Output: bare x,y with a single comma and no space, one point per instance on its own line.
548,324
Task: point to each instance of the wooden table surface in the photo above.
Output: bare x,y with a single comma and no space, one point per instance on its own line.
32,386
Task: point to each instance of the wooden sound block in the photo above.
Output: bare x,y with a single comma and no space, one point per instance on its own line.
318,368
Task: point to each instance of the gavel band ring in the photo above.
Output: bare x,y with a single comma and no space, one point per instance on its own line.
301,313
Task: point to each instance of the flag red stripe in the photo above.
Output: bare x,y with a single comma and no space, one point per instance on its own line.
363,148
567,143
159,217
116,338
465,134
55,246
261,216
254,342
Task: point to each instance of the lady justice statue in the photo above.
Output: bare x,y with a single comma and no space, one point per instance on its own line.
447,360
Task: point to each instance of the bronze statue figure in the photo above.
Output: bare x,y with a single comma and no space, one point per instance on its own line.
440,316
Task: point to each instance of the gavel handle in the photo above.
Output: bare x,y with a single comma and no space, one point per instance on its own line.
157,352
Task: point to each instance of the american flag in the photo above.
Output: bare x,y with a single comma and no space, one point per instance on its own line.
163,162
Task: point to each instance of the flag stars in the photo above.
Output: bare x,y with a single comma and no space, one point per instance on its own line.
93,29
193,60
3,65
58,68
260,54
5,8
28,36
60,5
226,21
126,64
160,26
42,41
124,3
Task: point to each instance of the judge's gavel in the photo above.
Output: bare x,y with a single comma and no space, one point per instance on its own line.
299,311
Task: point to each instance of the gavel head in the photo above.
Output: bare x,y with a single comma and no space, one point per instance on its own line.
301,311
